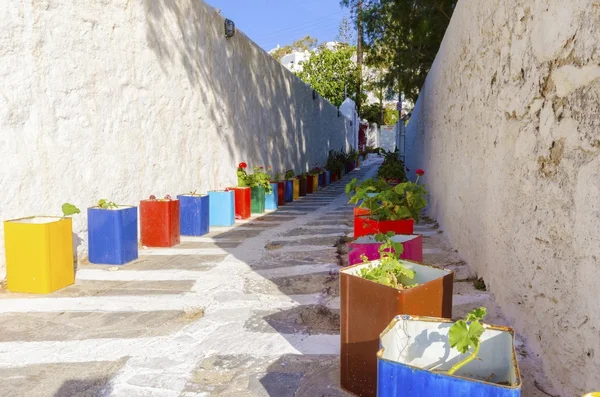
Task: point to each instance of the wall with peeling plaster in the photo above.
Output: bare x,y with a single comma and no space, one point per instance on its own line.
122,99
508,129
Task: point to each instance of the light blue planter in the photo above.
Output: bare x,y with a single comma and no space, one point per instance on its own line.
222,208
194,214
328,176
271,198
413,347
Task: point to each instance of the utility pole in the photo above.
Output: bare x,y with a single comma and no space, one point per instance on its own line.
359,52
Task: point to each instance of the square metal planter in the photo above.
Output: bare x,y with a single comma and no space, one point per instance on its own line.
159,223
364,225
257,204
194,214
112,235
289,190
222,208
367,246
243,199
271,199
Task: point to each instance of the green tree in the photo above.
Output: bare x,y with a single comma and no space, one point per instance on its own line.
372,113
332,74
404,35
345,32
306,43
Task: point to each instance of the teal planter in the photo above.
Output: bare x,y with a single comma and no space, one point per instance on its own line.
271,199
257,204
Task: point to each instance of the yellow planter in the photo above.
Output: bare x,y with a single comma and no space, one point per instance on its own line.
315,183
39,254
296,189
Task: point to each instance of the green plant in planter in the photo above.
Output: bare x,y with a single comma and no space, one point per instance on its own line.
352,154
390,271
69,209
403,201
260,178
106,205
278,176
242,175
289,174
392,167
371,185
335,161
466,334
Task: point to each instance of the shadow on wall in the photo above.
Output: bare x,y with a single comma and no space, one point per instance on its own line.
263,110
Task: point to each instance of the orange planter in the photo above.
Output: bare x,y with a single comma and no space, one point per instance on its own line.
159,223
243,199
361,211
364,226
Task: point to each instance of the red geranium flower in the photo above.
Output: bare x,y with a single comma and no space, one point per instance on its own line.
420,172
242,165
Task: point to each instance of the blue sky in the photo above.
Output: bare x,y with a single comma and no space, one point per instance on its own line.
272,22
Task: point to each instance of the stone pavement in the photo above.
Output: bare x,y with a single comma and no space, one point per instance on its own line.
251,310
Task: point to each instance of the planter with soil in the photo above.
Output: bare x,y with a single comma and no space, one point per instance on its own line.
296,193
271,199
289,191
281,193
39,254
367,307
310,185
194,210
242,199
222,207
367,245
112,234
416,358
159,222
257,203
303,186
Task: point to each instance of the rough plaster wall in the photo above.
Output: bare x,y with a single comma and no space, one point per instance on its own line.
126,98
508,129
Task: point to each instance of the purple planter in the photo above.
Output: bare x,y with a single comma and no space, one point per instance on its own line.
366,245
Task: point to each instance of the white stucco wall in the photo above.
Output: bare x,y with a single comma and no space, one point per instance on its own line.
507,128
122,99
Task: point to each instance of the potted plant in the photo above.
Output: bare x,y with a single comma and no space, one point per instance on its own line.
278,178
371,185
303,184
39,252
222,207
242,194
371,294
259,183
422,356
159,222
112,233
194,214
368,247
315,172
334,165
292,188
394,210
352,158
392,170
272,197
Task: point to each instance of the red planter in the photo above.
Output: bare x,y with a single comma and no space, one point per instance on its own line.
334,176
243,201
309,184
159,223
364,226
361,211
280,193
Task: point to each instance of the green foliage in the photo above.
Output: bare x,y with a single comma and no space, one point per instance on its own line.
289,174
336,160
105,204
332,74
370,185
390,270
465,334
258,178
372,113
403,35
392,167
69,209
306,43
403,201
345,32
278,176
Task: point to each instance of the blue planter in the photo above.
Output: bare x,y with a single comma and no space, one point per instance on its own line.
222,208
328,176
289,191
320,176
271,198
194,215
112,235
413,347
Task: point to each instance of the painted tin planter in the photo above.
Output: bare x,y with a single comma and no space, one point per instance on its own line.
361,211
289,191
368,307
39,254
280,193
271,199
296,182
310,185
303,186
366,245
112,235
257,205
323,179
194,214
334,176
328,178
159,223
315,183
414,350
222,208
243,199
363,226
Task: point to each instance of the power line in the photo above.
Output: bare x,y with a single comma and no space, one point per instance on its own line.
326,27
304,24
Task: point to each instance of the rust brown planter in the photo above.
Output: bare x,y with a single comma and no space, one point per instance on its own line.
310,184
368,307
303,186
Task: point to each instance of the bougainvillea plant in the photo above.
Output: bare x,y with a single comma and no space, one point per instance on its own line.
466,334
390,270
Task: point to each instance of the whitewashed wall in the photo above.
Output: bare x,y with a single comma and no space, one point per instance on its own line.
122,99
507,128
